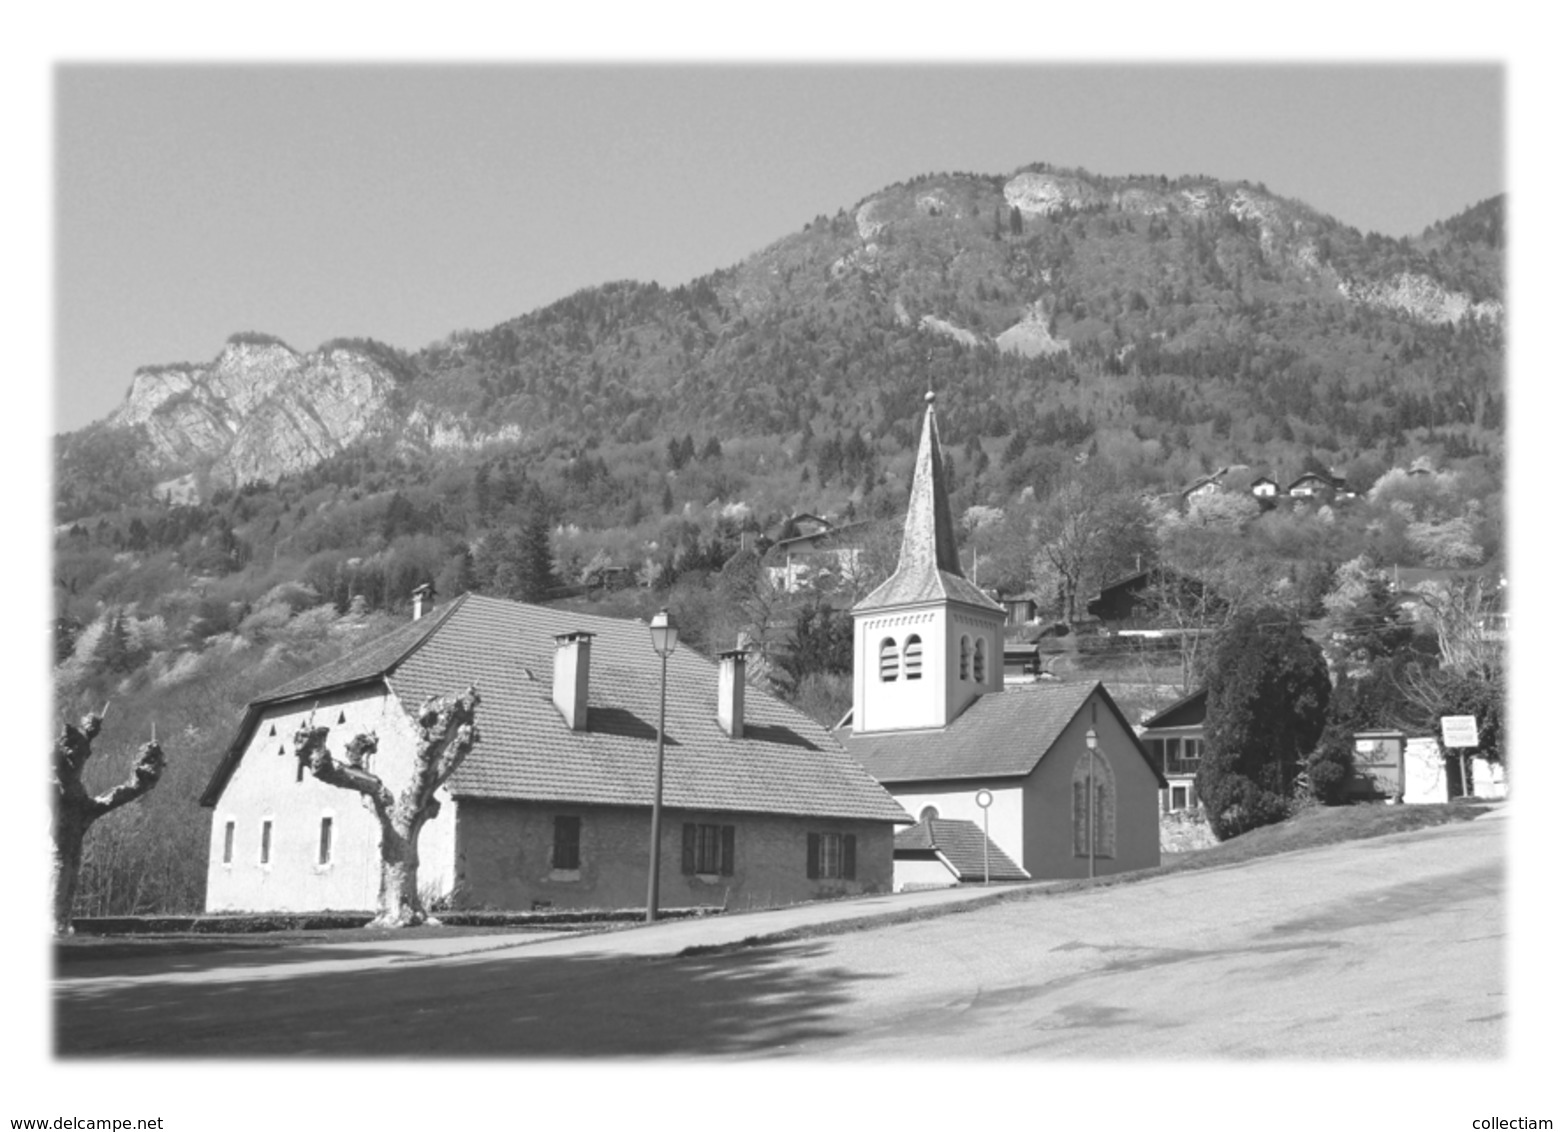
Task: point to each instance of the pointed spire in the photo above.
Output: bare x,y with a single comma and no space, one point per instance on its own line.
928,539
928,569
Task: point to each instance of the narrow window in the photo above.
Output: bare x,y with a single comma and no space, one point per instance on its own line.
889,661
266,842
966,658
567,842
228,843
980,661
325,841
1098,780
913,656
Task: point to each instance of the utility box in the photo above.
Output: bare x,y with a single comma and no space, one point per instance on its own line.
1380,770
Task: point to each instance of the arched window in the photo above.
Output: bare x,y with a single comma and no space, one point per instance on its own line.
890,662
912,657
966,658
1098,780
980,661
928,814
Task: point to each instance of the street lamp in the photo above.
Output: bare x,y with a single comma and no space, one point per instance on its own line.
665,636
1091,802
985,799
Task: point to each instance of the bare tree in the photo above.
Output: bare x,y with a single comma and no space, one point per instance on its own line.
75,810
447,733
1087,530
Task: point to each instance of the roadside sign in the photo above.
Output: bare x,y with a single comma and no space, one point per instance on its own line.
1459,730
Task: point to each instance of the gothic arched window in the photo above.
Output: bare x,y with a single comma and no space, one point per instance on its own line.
980,661
1098,780
912,657
890,660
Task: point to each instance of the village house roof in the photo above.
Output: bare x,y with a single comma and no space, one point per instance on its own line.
928,568
1001,735
785,763
1190,711
960,844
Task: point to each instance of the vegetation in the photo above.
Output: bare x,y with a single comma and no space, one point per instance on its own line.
1268,690
661,438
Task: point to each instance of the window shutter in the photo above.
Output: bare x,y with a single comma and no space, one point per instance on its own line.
850,857
813,869
727,850
689,849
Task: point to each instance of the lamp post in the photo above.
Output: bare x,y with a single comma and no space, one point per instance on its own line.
1091,803
985,799
665,636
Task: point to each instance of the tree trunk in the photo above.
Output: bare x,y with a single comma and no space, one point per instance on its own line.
70,831
401,906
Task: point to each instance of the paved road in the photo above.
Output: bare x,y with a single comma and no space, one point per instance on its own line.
1389,948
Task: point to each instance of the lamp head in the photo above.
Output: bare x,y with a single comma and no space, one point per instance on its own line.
665,634
1091,738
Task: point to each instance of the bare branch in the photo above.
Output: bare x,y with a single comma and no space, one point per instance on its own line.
309,746
145,775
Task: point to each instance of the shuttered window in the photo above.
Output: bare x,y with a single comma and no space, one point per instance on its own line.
966,658
912,657
708,849
980,661
832,856
890,662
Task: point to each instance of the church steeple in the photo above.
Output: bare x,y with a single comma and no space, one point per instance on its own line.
926,642
928,568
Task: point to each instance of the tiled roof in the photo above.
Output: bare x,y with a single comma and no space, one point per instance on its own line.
961,844
786,763
1003,734
927,568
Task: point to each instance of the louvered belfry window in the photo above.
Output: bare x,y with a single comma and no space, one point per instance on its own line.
966,658
912,655
890,660
980,661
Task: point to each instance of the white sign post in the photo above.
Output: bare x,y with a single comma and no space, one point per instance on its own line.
1460,735
985,799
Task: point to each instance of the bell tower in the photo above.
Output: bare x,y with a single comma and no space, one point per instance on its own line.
926,642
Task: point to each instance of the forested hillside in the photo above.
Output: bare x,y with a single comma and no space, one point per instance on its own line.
1097,344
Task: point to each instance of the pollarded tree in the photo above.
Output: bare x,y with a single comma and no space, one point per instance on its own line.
447,732
1268,691
75,810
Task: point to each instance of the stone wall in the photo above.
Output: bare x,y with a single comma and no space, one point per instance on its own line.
504,858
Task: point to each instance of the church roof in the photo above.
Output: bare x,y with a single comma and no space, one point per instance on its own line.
928,568
1002,735
785,763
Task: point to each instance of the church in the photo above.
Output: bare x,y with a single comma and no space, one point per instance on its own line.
1053,772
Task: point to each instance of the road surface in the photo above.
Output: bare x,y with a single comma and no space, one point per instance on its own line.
1390,948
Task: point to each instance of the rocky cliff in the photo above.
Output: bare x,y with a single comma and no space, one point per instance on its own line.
259,410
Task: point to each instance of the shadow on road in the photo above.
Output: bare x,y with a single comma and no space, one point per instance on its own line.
752,1002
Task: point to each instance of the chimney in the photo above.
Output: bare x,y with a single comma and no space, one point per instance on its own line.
572,668
730,692
423,600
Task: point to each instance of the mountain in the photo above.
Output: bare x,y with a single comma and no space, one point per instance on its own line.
1050,301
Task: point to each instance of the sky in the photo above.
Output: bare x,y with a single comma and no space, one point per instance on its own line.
404,202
